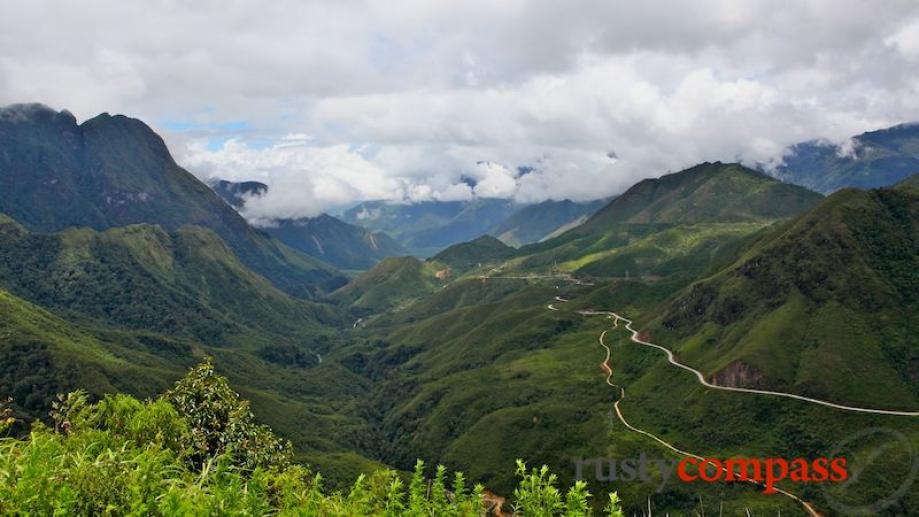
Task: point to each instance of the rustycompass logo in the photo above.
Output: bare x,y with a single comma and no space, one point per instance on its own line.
764,471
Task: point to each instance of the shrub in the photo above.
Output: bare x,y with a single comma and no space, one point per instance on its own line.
197,450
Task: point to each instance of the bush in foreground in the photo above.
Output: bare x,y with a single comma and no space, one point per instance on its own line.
198,450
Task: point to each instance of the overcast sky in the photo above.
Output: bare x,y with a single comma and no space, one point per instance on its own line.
336,102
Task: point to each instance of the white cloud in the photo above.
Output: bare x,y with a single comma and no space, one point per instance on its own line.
346,101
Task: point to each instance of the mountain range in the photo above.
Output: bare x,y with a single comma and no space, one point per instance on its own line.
428,227
324,237
869,160
119,270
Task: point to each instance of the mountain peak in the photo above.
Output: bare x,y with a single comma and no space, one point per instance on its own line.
36,112
114,170
708,192
467,255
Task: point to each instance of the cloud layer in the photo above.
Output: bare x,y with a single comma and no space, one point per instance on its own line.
336,102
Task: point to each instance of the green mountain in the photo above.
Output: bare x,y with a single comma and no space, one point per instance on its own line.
394,281
536,222
186,282
709,192
129,309
834,290
679,224
484,250
326,238
483,370
114,171
874,159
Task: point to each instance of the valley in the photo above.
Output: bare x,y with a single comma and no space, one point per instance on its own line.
459,259
484,353
532,375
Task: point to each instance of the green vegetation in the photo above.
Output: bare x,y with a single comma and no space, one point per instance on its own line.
480,372
113,171
392,282
184,283
786,311
469,372
468,255
709,192
679,225
128,309
197,450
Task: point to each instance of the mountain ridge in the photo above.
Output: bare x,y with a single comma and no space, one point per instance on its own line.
114,171
324,237
872,159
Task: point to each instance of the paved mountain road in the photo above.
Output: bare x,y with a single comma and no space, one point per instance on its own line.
609,374
701,378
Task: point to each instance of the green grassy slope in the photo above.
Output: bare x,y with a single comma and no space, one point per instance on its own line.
187,283
710,192
678,224
316,406
831,291
392,282
481,372
483,250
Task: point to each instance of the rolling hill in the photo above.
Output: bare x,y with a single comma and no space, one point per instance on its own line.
709,192
467,255
394,281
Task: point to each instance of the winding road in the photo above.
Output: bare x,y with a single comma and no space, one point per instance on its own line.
605,366
701,378
608,370
609,374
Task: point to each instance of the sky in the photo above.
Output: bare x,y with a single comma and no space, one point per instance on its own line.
333,103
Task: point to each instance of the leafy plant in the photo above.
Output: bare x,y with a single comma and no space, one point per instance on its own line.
197,450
